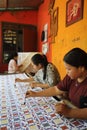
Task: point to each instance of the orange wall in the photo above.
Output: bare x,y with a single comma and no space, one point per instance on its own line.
67,37
74,35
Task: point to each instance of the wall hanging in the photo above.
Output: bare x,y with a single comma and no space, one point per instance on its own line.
74,11
53,20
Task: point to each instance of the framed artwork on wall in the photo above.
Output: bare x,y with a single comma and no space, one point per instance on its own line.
44,34
74,11
45,48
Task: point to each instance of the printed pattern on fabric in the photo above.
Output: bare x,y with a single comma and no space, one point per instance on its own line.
36,114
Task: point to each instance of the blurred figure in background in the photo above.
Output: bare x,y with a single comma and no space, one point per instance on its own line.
13,67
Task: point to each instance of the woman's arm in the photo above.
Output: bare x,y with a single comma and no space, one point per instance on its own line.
78,113
52,91
36,84
21,65
63,109
24,80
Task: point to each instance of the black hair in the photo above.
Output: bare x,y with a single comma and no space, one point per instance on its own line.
15,54
40,59
12,55
76,57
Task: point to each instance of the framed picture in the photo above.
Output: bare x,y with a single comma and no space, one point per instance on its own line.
74,11
45,48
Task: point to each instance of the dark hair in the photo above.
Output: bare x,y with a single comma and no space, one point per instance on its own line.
76,57
14,54
40,59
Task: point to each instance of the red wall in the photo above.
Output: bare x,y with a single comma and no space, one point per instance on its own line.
38,18
44,18
23,17
30,44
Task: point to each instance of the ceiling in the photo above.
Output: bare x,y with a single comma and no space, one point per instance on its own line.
20,4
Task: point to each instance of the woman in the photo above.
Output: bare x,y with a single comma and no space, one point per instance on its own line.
74,83
12,65
46,73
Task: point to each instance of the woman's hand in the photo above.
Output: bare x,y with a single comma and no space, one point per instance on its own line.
33,85
62,109
30,93
21,65
17,80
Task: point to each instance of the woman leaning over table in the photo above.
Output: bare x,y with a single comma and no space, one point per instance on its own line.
46,73
74,84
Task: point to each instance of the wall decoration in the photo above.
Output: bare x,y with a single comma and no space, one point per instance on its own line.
45,48
74,11
53,20
44,34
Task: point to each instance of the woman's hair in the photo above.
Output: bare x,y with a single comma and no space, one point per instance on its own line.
14,54
40,59
76,57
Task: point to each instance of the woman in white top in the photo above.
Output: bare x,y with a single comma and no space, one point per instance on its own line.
12,65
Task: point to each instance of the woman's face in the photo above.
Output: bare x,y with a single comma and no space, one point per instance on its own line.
72,71
36,67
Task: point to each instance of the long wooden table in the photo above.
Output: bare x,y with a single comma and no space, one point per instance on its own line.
36,114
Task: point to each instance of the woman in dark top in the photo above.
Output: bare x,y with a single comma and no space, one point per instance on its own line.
74,84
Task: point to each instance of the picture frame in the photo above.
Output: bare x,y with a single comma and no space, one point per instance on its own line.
45,48
74,11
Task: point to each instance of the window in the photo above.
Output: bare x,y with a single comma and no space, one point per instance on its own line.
12,41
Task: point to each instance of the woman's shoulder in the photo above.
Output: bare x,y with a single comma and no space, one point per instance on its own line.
51,66
12,61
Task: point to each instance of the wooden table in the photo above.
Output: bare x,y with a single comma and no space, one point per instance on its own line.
37,114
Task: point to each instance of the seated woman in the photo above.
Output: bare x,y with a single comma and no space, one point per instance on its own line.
74,83
12,65
46,73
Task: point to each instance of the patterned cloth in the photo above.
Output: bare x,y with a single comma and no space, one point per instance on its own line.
36,114
52,75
